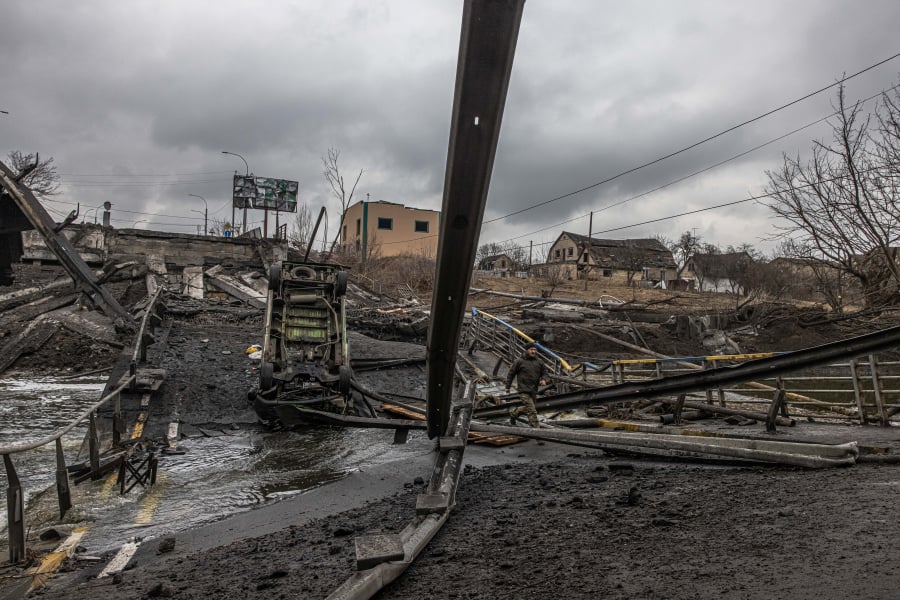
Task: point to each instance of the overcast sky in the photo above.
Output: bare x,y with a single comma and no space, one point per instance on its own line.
135,100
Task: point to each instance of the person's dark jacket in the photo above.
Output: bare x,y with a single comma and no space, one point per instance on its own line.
529,371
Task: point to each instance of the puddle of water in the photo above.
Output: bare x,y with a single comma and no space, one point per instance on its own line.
216,476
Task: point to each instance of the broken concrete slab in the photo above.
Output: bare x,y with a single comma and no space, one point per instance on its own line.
27,341
257,282
91,324
234,287
375,549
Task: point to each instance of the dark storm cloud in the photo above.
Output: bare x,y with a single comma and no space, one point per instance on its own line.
119,91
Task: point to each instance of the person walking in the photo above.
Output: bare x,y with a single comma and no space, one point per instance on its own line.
529,372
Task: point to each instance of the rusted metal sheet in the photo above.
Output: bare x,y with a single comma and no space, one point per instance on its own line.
486,49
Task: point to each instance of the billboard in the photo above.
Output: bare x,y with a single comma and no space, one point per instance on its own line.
244,191
265,192
276,194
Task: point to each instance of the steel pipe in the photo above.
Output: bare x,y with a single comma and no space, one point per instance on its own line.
813,456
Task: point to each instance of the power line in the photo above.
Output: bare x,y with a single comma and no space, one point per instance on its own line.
735,202
701,171
145,174
695,144
114,184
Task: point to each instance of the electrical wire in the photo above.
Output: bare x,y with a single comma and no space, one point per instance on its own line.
695,144
703,170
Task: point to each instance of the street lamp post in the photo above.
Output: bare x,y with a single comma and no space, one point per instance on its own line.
205,213
246,166
134,225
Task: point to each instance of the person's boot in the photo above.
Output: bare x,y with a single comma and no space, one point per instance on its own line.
533,422
512,417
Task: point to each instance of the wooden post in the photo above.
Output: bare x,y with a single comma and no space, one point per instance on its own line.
62,481
679,406
706,367
15,513
94,449
857,392
772,415
877,389
118,421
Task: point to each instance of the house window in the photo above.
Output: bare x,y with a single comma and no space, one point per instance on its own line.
421,227
584,258
385,223
571,251
358,225
557,253
607,272
345,233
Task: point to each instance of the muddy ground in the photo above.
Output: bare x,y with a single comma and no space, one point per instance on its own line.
585,526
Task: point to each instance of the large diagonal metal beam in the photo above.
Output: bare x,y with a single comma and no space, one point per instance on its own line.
486,48
764,368
60,246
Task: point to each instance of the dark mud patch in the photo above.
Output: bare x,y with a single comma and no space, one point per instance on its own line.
577,529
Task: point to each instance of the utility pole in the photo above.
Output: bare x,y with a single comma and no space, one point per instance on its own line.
247,167
588,249
530,247
205,213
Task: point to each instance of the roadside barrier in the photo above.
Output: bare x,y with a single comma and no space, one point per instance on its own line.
856,386
16,498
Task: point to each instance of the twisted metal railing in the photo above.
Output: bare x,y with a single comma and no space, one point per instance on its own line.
15,500
860,388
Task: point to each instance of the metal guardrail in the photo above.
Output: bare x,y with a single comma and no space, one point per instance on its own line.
864,390
508,343
15,497
15,500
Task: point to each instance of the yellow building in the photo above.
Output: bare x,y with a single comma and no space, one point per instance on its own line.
380,228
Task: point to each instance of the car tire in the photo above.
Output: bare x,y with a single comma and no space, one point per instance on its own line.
274,278
340,284
266,376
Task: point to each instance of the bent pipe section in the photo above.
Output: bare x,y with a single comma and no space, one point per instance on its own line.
800,454
416,535
689,382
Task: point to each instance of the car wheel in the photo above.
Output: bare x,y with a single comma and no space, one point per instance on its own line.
274,278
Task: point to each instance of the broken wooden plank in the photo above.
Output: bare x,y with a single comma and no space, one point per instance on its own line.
27,341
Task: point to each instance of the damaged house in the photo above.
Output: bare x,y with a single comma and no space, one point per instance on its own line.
721,272
644,262
500,265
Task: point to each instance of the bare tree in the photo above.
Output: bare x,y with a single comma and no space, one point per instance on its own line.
518,254
682,250
841,206
631,258
554,274
41,178
332,173
487,250
303,228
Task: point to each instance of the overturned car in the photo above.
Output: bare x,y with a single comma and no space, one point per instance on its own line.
305,363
